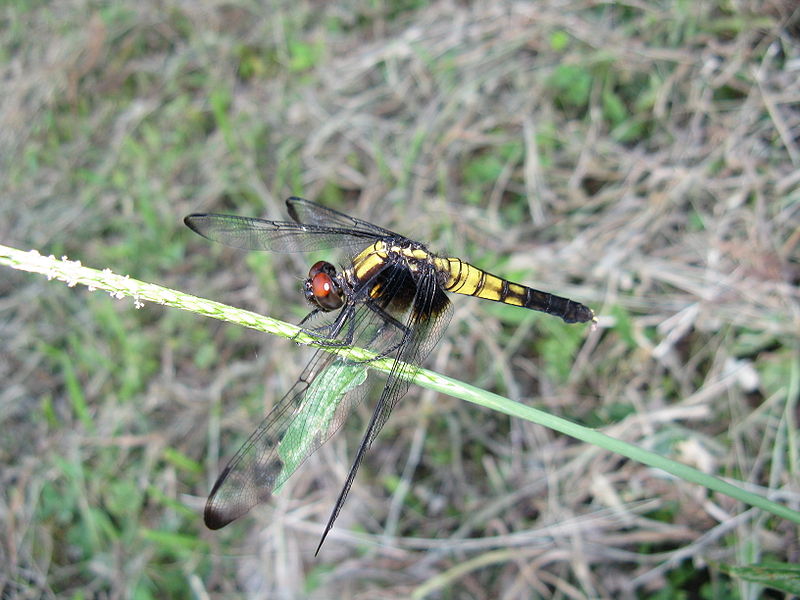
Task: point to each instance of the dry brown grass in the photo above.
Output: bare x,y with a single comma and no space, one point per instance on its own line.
655,179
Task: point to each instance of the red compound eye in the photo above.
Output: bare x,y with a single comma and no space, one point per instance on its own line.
322,286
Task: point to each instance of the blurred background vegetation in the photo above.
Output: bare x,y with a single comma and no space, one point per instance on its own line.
641,158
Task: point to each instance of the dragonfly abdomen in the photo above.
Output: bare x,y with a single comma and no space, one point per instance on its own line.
467,279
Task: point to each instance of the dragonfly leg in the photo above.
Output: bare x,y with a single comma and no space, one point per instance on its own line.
388,320
318,332
309,316
326,334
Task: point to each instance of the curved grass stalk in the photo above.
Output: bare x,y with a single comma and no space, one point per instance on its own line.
119,286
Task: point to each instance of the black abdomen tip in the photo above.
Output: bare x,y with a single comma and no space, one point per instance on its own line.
577,313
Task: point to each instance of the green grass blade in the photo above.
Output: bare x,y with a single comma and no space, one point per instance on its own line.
121,286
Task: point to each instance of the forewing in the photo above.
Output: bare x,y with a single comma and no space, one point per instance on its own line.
250,233
310,213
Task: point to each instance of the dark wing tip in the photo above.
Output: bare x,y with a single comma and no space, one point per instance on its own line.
219,513
216,519
292,210
191,222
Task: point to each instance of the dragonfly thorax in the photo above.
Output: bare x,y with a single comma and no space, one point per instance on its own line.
322,288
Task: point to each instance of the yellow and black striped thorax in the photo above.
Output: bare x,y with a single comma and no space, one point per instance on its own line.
453,274
410,255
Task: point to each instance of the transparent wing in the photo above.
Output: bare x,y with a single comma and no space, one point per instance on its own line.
306,417
429,314
249,233
294,429
310,213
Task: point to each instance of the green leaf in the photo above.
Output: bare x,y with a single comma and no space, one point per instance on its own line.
181,461
613,108
174,542
780,576
303,56
572,84
559,40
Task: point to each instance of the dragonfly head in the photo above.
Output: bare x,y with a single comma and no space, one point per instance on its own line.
322,288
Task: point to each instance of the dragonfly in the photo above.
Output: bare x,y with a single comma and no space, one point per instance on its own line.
389,297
